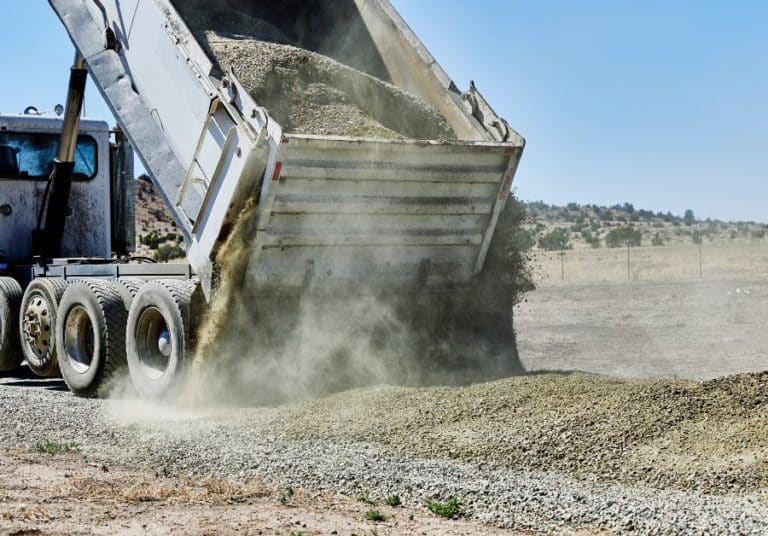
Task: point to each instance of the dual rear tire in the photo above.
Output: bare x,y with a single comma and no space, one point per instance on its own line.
92,330
159,336
90,336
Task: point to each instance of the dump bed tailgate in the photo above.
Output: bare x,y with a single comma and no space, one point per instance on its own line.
347,211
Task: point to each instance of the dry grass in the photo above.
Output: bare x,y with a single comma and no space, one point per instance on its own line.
212,492
649,263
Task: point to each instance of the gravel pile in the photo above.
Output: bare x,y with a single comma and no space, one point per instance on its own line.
307,92
710,437
241,443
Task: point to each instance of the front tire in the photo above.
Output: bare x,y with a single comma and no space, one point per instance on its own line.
90,336
158,336
37,325
10,301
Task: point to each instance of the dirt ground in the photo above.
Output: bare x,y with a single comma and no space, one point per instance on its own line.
65,494
697,329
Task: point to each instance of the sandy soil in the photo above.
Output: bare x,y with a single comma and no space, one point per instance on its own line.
695,329
65,494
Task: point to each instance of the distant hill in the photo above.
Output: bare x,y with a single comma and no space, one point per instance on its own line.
157,235
594,226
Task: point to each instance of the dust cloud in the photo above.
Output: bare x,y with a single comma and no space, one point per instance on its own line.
259,346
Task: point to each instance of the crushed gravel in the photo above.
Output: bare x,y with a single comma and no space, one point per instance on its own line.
710,437
307,92
243,443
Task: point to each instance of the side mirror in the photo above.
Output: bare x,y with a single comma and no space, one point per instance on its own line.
9,164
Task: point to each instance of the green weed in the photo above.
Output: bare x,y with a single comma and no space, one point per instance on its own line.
375,515
54,447
451,508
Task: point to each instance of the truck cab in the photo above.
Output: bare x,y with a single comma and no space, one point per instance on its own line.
28,146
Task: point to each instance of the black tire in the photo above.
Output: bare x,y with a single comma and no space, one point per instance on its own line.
90,336
37,325
158,336
128,288
10,301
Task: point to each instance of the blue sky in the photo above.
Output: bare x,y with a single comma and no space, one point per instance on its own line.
661,104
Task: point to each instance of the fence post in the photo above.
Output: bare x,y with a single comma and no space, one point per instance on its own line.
629,277
701,273
562,265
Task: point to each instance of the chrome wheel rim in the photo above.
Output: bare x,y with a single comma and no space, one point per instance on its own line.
37,326
79,338
155,344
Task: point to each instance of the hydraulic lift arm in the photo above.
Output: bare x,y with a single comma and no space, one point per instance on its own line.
48,239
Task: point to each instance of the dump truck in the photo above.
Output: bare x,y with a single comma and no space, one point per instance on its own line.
317,212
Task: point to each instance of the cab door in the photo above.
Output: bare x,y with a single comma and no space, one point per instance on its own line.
19,194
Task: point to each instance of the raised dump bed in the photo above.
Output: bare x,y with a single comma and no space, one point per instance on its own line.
362,160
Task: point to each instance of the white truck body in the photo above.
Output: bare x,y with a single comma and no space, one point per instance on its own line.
332,209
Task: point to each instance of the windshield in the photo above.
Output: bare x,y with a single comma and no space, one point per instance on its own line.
35,154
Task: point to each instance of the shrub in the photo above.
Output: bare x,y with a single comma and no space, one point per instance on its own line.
556,239
758,233
619,237
364,498
375,515
689,218
152,240
169,252
451,508
393,500
53,447
696,236
657,240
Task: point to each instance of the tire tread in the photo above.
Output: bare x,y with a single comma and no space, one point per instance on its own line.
113,319
10,355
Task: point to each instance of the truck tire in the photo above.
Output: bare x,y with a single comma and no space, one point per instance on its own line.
158,336
37,325
10,301
128,288
90,336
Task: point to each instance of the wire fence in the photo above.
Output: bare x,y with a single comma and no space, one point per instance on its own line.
715,260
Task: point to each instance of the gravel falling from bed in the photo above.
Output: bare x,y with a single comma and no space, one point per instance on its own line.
307,92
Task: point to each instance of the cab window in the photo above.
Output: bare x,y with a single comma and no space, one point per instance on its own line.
30,155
